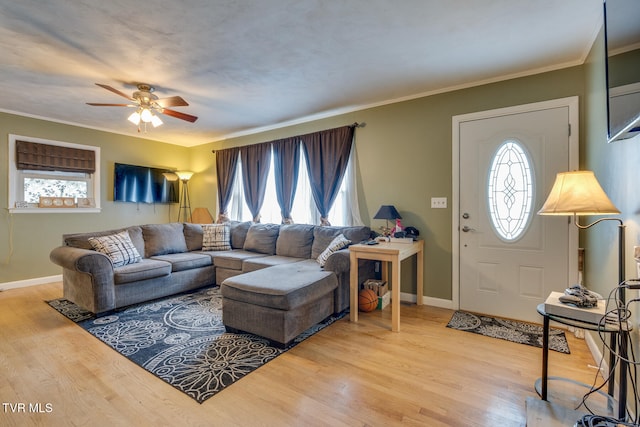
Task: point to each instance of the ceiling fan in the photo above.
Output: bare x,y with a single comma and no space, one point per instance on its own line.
146,104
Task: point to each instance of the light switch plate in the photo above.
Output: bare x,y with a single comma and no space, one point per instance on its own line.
438,202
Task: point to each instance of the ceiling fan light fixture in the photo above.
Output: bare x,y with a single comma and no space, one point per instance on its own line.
134,118
148,106
146,115
155,121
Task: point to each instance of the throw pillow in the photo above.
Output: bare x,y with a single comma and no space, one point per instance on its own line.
336,244
118,247
216,237
295,240
162,239
262,238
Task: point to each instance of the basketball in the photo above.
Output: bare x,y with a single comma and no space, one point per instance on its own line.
367,300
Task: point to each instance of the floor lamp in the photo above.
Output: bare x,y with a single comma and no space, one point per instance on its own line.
578,193
185,202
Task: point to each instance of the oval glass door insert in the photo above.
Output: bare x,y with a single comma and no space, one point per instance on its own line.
510,191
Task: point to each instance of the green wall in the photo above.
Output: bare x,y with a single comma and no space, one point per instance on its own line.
403,156
27,238
615,166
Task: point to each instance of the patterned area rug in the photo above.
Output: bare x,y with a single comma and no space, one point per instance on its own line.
510,330
182,340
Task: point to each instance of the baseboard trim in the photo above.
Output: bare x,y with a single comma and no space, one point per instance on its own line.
30,282
436,302
596,353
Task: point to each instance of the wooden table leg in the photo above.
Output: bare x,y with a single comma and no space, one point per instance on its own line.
420,278
395,295
353,288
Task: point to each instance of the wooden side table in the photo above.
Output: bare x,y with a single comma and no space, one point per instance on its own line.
387,253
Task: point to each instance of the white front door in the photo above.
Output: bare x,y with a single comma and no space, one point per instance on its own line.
510,259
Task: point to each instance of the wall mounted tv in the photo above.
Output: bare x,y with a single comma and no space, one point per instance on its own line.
141,184
622,40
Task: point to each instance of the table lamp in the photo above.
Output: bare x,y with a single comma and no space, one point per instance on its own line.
387,212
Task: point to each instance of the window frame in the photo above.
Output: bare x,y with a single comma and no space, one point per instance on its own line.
16,178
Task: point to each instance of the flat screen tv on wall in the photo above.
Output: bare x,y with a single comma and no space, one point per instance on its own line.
141,184
622,42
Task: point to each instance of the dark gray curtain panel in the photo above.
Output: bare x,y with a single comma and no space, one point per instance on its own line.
286,162
256,160
327,154
226,166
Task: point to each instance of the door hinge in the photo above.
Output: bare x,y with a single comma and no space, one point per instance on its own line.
569,129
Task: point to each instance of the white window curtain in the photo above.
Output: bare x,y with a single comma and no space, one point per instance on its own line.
350,214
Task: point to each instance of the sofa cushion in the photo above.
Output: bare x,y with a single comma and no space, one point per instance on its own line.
232,259
262,238
295,240
322,236
238,233
283,287
216,237
161,239
193,236
81,240
143,270
339,242
258,263
118,247
185,260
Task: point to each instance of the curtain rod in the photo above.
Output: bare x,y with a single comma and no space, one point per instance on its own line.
355,125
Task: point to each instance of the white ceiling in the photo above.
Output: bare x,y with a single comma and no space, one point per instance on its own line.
247,65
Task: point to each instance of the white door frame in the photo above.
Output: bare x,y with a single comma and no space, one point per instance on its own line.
573,104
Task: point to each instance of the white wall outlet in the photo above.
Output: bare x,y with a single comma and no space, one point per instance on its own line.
438,202
636,256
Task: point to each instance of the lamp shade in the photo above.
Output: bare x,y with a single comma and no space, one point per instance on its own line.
134,118
184,175
387,212
577,193
170,176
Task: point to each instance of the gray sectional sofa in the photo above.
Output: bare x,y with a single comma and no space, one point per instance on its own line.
271,281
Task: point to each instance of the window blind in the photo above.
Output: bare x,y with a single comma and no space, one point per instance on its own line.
36,156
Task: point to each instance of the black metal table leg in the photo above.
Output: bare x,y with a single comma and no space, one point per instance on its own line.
545,357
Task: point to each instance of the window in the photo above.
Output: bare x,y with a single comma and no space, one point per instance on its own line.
28,182
510,191
304,210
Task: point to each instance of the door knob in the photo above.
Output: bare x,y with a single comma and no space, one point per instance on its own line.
465,215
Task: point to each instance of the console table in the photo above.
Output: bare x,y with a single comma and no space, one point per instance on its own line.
387,253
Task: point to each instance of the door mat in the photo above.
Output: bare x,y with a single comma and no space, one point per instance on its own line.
509,330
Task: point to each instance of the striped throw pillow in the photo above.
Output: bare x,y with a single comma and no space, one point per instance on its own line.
216,237
339,242
118,247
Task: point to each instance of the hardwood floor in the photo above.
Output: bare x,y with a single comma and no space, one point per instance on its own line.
350,374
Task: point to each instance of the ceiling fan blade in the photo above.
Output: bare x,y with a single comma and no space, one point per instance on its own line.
179,115
116,91
172,101
110,105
